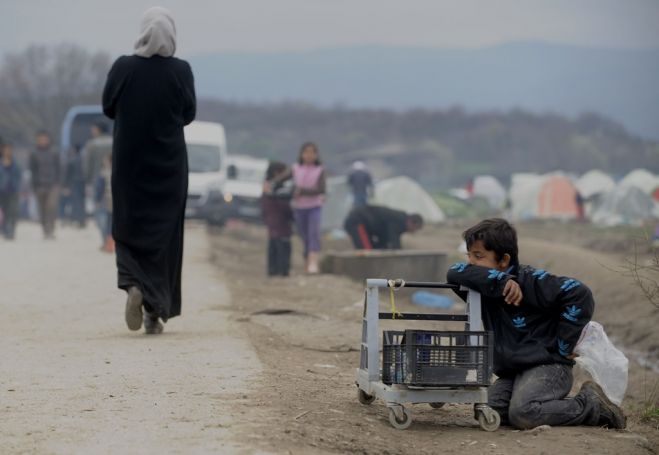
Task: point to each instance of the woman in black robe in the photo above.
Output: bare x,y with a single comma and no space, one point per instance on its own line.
151,96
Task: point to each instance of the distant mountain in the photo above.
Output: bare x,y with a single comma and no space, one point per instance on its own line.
567,80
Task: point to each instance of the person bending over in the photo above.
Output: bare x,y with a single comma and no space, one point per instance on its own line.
380,228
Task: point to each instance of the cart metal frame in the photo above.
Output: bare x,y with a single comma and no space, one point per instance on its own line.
369,375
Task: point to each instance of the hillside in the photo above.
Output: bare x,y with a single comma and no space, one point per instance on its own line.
440,148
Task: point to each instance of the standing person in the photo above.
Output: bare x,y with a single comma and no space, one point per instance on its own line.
380,228
45,169
96,149
278,218
103,201
361,184
151,97
10,185
74,184
308,198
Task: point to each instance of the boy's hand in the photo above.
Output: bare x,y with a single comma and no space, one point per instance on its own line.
572,356
512,293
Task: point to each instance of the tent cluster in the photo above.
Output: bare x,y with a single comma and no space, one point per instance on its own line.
594,195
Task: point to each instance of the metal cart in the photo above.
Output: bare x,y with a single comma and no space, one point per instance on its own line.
437,355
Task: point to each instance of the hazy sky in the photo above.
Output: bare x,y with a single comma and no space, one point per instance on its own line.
280,25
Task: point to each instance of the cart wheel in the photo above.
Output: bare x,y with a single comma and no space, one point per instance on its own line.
365,398
400,424
437,405
489,419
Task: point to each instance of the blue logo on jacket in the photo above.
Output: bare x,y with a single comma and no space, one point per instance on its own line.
540,274
459,266
495,274
563,348
572,313
519,322
570,284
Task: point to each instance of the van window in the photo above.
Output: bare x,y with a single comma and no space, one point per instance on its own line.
203,158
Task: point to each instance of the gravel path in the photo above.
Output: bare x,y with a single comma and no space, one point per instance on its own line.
73,379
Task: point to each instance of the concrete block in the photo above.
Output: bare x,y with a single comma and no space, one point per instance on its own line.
411,265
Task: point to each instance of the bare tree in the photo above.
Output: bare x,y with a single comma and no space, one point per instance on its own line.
644,273
39,84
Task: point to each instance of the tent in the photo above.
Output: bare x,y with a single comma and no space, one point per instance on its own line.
593,183
524,190
490,189
403,193
557,198
642,179
624,205
543,196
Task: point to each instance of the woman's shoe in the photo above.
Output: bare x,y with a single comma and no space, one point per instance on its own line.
312,264
152,326
134,308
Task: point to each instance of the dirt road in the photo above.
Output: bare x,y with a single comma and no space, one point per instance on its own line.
73,379
227,377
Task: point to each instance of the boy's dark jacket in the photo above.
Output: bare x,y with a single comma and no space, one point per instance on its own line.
543,329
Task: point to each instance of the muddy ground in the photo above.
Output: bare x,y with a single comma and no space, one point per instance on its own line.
305,399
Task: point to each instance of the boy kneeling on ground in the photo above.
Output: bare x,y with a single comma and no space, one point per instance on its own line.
536,319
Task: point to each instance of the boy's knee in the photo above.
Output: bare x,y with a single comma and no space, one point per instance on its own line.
525,416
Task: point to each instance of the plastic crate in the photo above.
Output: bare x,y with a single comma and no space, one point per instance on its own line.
437,358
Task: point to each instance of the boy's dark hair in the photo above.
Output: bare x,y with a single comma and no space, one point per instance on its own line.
42,132
416,219
274,168
315,147
497,235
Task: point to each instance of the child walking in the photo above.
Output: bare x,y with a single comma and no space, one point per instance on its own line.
308,198
537,319
10,184
278,218
103,200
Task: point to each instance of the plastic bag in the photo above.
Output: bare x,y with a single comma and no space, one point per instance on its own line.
606,364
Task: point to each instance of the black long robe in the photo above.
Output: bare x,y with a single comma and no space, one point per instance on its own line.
150,99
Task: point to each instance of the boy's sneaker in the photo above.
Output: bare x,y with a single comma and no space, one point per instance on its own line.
134,308
610,414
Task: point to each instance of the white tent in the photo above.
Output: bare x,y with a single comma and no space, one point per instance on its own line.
642,179
490,189
624,205
593,183
403,193
338,202
524,192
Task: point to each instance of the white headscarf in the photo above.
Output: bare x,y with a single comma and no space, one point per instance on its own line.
358,166
157,34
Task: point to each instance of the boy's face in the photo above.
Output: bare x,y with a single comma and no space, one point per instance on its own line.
478,255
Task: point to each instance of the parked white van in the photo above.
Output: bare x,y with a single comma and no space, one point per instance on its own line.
207,166
243,188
